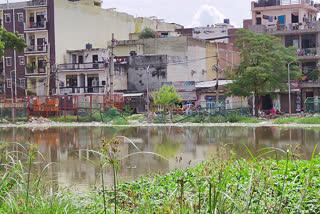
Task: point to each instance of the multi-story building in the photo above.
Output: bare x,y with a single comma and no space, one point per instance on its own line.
295,23
50,29
87,72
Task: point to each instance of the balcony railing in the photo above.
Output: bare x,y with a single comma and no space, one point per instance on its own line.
35,3
35,70
270,3
36,49
82,90
84,66
305,52
35,25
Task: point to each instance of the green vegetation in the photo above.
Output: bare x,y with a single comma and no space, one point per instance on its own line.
223,184
299,120
10,41
263,67
147,33
232,117
166,97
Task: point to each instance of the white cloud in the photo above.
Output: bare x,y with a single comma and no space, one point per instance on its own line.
207,15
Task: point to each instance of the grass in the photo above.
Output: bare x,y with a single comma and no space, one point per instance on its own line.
273,181
231,118
298,120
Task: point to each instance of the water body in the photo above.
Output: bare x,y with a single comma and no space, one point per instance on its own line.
184,147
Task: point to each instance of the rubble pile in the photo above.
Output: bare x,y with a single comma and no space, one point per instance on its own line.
39,120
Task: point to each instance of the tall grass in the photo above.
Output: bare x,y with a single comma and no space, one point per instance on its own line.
222,184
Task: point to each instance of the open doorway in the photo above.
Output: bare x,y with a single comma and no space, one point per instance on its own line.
93,83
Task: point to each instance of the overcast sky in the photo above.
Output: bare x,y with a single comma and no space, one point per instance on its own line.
189,13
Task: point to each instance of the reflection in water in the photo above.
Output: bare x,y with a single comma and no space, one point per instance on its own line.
68,146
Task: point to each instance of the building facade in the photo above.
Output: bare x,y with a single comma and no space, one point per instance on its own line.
296,24
51,28
87,72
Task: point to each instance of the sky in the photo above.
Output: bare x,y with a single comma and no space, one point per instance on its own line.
190,13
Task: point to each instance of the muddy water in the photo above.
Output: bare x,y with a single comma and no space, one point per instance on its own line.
183,147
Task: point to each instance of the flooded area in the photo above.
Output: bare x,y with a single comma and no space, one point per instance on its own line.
68,147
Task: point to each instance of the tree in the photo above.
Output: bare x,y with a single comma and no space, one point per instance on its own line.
264,66
147,33
11,41
165,97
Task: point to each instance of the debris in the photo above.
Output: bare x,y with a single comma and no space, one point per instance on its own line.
39,120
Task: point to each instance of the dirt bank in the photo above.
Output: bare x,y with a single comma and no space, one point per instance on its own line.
99,124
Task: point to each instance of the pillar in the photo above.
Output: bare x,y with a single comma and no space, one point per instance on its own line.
85,83
316,100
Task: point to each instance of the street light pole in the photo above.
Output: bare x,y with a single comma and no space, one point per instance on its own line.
148,99
289,87
12,108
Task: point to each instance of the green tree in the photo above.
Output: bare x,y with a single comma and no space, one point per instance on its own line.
264,66
147,33
11,41
166,97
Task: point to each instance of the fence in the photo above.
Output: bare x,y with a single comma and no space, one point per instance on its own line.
80,106
312,105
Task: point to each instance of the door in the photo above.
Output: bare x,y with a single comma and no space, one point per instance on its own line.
80,59
40,44
95,59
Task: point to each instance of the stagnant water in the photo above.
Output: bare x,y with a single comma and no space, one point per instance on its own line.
183,147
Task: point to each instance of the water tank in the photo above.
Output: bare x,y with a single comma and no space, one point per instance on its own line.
88,46
226,21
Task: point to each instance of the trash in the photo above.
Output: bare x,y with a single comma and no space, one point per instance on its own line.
39,120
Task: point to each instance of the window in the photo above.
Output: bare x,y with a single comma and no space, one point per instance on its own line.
9,85
308,41
23,83
258,20
20,17
9,61
292,40
72,80
7,17
21,60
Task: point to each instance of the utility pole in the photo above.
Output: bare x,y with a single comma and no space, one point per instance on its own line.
48,66
111,66
12,107
148,99
217,77
289,88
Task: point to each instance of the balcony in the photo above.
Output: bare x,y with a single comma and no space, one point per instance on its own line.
82,90
82,67
37,3
35,70
33,26
308,53
35,49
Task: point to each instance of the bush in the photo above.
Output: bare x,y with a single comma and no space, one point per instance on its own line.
120,122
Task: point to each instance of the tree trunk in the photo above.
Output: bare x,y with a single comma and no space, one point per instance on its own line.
256,106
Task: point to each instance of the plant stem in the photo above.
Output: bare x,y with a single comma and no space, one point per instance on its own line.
115,188
103,189
28,179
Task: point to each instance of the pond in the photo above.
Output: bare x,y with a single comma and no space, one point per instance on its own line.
183,146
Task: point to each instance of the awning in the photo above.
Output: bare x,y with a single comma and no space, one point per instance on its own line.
133,95
211,84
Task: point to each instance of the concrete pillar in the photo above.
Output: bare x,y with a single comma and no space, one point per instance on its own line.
78,84
316,100
85,83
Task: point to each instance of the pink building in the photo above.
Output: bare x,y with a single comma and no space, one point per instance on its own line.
295,23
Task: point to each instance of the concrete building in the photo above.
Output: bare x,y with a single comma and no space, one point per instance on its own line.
186,57
295,23
222,32
51,28
87,72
